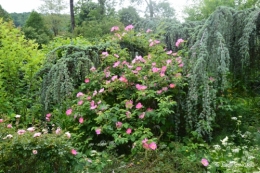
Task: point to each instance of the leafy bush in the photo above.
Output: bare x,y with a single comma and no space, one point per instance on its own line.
129,101
34,150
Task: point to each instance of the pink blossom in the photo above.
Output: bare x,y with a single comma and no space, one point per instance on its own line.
116,55
95,93
92,69
114,78
118,35
80,102
164,68
129,27
81,120
68,134
105,54
162,74
107,73
129,104
74,152
139,105
204,162
148,30
153,145
47,119
168,61
69,111
141,116
99,102
146,146
154,64
119,124
181,65
48,115
37,135
101,90
31,129
123,79
58,131
1,120
144,140
138,68
155,69
92,105
98,131
116,64
149,110
107,82
79,94
9,126
159,91
89,97
172,85
169,52
157,41
140,87
164,88
175,54
86,80
135,71
129,131
34,151
179,41
114,28
128,114
21,132
151,44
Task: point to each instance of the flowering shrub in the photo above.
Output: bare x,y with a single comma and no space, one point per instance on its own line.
230,157
128,99
34,150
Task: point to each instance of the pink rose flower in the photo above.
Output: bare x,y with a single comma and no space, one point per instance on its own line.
69,111
21,132
139,105
172,85
119,124
81,120
153,145
34,151
204,162
74,152
37,135
129,131
98,131
9,126
86,80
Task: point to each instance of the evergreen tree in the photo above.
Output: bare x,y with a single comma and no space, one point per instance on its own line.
4,14
35,29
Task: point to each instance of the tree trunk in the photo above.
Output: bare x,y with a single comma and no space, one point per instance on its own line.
72,18
151,9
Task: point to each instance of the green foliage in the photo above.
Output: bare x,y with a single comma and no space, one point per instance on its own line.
128,15
35,29
19,61
22,152
65,68
4,14
231,157
20,18
120,84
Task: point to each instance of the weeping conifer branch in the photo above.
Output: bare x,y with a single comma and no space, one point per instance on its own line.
65,69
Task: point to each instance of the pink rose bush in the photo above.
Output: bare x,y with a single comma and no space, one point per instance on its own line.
126,95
